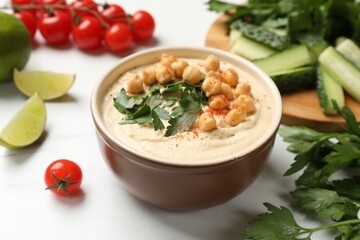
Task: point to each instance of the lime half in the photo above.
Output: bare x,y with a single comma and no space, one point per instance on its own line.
15,45
49,85
26,126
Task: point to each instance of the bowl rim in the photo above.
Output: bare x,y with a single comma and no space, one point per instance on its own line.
271,89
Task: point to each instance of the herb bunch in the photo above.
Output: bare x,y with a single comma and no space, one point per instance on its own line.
321,157
184,100
302,20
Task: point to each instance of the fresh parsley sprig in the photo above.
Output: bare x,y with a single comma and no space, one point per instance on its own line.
150,107
318,192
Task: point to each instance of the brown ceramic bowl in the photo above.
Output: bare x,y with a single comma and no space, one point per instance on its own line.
183,187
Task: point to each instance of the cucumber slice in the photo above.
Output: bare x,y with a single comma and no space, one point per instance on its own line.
343,71
350,51
329,89
295,79
248,48
297,56
233,36
262,35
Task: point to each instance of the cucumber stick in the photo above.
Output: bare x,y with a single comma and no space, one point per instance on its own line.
350,51
342,70
294,57
295,79
329,90
247,48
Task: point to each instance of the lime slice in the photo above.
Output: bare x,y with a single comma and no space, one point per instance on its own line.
49,85
26,126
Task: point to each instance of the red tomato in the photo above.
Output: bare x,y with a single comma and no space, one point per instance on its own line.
55,28
63,177
118,38
88,34
88,4
29,21
21,2
143,26
113,13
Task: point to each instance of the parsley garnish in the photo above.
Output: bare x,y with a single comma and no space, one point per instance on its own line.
319,155
150,107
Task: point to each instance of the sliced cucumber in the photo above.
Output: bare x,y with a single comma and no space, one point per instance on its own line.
262,35
248,48
329,89
233,37
350,51
314,42
294,57
342,70
295,79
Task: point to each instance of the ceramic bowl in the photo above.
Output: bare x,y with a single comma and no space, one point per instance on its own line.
182,187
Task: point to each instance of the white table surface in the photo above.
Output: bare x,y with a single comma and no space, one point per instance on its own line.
106,210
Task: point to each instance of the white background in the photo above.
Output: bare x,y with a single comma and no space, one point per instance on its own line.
106,210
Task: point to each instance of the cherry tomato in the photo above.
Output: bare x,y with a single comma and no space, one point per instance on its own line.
113,13
29,21
118,38
88,34
56,27
21,2
63,177
143,26
88,4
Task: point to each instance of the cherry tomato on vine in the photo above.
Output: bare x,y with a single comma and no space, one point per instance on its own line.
63,177
118,38
88,34
29,21
56,27
143,26
89,5
113,13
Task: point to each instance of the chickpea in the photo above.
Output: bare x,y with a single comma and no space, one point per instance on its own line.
214,74
192,74
227,91
164,74
211,86
167,59
178,67
211,63
218,102
230,77
246,103
135,85
235,116
148,76
207,122
242,89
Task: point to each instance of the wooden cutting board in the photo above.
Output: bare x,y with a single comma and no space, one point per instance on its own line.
300,108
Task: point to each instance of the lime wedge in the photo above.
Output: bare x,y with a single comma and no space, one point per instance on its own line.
49,85
26,126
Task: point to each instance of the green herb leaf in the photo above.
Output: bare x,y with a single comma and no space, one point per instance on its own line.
277,223
182,123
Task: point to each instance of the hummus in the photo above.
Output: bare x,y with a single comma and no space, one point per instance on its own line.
195,146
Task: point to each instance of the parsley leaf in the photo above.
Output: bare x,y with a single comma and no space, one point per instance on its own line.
277,223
